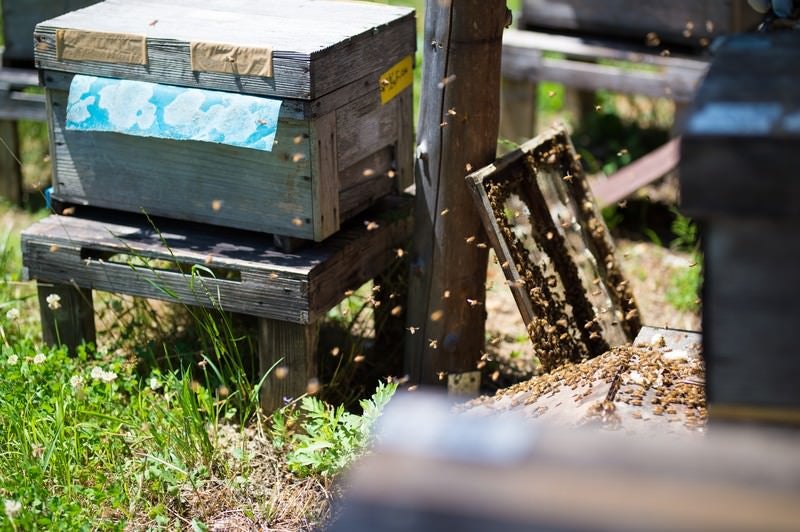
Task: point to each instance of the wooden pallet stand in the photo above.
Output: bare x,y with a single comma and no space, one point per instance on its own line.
288,292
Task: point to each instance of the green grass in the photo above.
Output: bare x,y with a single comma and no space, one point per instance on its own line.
106,440
685,287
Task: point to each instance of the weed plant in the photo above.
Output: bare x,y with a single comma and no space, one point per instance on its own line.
97,440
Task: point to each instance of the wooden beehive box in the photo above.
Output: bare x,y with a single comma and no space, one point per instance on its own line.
19,19
740,156
340,71
685,22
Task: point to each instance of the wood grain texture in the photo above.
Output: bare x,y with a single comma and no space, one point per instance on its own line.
252,276
365,126
19,19
404,146
72,323
10,168
324,176
195,181
316,164
318,46
462,76
292,348
682,22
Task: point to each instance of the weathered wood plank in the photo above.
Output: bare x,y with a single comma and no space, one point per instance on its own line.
290,349
22,106
459,121
187,180
368,251
252,276
338,43
592,49
672,77
325,180
404,145
69,320
360,196
367,169
10,168
683,22
365,126
518,476
638,174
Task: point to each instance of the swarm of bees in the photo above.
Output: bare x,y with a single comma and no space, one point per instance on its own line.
626,385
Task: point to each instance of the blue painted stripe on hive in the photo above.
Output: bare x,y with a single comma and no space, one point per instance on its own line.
165,111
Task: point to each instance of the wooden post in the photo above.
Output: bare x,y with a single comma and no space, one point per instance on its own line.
458,128
10,170
69,319
295,346
518,105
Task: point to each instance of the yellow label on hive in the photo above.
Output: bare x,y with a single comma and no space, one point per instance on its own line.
396,79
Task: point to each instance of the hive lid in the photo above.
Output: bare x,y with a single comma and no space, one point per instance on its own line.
741,147
302,49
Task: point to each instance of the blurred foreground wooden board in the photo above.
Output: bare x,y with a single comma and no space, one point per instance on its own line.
505,473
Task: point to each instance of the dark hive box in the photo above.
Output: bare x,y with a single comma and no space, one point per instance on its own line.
739,176
19,19
340,72
672,21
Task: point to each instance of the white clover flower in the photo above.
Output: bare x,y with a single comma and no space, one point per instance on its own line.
54,301
154,384
12,508
76,381
39,358
12,360
108,376
12,314
97,373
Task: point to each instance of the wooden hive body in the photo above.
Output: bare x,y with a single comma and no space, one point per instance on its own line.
19,19
739,158
340,144
675,22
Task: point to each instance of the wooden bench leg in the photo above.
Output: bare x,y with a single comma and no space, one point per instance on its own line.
518,111
69,319
390,316
10,170
295,346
